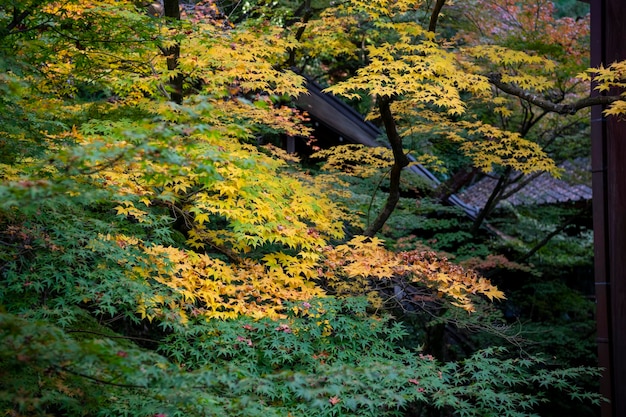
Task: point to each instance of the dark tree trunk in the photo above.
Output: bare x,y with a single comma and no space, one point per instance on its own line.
434,17
609,210
493,200
171,10
400,161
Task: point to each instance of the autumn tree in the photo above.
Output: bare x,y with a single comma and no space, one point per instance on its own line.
532,27
504,88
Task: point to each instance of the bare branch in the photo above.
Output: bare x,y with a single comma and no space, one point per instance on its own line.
98,380
18,18
496,80
552,234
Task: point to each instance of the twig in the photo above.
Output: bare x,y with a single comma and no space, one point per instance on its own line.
112,337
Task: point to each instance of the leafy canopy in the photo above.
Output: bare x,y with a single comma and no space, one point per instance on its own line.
156,260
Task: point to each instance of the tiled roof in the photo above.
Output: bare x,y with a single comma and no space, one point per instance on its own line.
574,185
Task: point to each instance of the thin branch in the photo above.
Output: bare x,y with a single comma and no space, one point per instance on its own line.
308,13
18,18
185,215
161,87
378,186
91,41
549,106
493,200
233,10
550,235
99,381
111,336
532,122
520,183
99,167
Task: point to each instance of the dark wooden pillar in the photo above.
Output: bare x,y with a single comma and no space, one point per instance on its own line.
608,44
291,144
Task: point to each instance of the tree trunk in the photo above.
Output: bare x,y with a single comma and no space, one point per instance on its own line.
434,17
171,10
399,162
493,200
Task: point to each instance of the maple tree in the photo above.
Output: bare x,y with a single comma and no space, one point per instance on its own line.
143,228
536,111
514,60
138,159
227,197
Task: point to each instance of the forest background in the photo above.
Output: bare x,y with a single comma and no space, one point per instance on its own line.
161,255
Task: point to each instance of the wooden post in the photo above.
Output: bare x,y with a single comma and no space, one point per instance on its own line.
608,136
291,144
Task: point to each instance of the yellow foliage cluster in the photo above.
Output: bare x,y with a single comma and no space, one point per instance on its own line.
414,66
363,265
243,58
430,78
487,145
422,72
494,146
203,286
606,79
233,200
356,160
220,180
513,61
334,29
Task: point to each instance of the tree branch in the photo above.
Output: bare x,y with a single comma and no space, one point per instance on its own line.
518,183
550,235
308,13
98,380
400,160
112,336
432,25
18,18
493,200
496,80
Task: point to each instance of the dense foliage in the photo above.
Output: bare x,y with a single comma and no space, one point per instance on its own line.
159,258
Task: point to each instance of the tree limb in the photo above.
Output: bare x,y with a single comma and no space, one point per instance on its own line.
496,80
432,25
550,235
400,160
98,380
493,200
308,13
520,182
18,18
112,336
